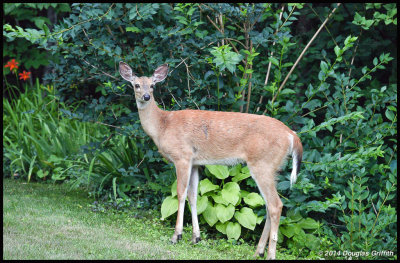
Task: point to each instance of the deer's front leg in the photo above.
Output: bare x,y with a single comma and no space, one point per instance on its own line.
183,171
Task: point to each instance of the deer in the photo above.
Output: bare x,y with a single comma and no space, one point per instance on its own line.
192,138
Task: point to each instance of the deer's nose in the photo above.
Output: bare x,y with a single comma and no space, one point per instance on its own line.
146,97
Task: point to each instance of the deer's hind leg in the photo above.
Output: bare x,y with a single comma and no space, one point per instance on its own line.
264,175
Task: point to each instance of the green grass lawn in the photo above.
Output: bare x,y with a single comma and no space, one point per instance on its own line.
45,221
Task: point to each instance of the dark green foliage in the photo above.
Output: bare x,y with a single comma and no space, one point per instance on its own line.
341,99
36,17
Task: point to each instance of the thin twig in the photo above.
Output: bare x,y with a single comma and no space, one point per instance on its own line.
105,73
344,94
249,79
71,27
140,162
327,30
102,123
221,31
354,54
187,72
225,17
138,12
174,98
302,53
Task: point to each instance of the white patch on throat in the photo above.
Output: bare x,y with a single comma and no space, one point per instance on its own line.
141,104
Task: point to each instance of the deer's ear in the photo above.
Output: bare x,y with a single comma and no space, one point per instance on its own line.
160,73
125,71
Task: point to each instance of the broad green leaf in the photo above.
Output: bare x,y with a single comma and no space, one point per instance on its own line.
389,114
243,193
233,230
245,170
230,197
308,223
232,186
224,213
219,199
210,214
287,91
231,192
241,176
221,227
169,207
173,188
293,216
219,171
235,170
246,218
254,200
287,230
312,242
207,186
202,203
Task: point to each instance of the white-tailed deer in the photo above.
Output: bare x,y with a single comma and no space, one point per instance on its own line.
190,138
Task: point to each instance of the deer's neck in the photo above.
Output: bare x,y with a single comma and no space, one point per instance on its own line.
151,117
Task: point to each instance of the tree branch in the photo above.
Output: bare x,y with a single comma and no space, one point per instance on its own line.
302,53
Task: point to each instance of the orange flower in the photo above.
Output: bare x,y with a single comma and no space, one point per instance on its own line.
12,64
24,75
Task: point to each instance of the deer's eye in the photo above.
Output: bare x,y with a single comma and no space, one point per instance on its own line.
152,86
137,86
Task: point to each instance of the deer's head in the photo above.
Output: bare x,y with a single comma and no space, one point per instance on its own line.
143,86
